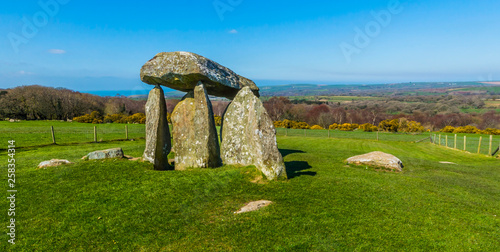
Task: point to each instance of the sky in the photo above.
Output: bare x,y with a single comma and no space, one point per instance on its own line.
101,45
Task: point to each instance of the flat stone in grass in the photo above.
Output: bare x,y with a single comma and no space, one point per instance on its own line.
105,154
254,206
53,163
377,159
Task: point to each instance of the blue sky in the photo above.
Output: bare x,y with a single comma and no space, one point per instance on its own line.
101,45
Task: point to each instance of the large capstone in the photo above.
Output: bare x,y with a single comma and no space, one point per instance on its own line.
249,137
183,70
194,133
158,141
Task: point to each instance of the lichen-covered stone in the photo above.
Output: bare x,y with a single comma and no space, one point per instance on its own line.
183,70
377,159
194,133
158,141
249,137
52,163
104,154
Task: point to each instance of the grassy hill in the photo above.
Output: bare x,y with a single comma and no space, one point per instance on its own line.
120,205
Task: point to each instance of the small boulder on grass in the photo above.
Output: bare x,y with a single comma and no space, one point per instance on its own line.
105,154
53,163
254,206
378,159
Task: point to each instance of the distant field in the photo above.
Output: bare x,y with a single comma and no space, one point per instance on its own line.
340,99
495,103
493,88
479,111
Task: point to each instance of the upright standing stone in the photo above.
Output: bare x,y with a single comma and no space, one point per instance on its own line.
158,141
249,137
194,133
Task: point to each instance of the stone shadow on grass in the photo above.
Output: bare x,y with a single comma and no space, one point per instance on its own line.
295,169
286,152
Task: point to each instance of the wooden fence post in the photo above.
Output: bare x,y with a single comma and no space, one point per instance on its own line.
465,143
95,134
491,142
446,140
479,146
126,132
439,139
434,138
455,143
53,135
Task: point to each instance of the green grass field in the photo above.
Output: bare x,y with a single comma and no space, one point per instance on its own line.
325,205
35,133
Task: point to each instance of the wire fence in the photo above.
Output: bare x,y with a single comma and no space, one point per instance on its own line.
28,134
37,134
358,134
483,144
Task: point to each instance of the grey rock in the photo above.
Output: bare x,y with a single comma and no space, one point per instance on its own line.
194,133
105,154
249,137
183,70
158,140
254,206
377,159
52,163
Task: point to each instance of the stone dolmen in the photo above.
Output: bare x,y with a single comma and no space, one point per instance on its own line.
247,137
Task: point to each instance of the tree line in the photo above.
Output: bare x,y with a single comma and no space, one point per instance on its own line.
431,112
46,103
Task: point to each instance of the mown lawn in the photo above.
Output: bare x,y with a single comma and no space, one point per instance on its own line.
120,205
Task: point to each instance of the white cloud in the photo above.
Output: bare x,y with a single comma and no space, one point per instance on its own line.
233,31
22,72
57,51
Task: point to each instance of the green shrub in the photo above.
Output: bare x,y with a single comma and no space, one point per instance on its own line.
389,125
333,126
466,129
448,129
317,127
368,127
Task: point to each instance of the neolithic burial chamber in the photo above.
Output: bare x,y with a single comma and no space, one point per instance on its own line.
247,137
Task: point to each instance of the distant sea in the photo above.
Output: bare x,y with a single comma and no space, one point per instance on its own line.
117,92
